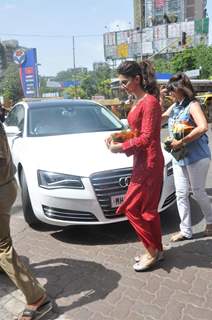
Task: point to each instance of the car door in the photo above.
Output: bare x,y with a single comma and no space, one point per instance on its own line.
16,118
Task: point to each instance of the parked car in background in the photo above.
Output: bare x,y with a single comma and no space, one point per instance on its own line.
66,173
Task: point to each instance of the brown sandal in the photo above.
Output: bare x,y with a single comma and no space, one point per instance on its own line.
40,312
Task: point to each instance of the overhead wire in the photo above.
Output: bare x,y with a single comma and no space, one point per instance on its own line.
50,36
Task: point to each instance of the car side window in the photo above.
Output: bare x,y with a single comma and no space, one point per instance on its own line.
16,117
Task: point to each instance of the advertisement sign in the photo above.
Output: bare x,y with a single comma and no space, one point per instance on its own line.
122,50
159,4
27,60
122,44
147,34
188,27
147,48
19,56
193,73
70,84
160,32
202,25
174,30
160,45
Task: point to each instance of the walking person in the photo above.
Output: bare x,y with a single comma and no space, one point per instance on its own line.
142,198
190,171
38,304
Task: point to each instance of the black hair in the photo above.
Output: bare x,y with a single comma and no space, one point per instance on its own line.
180,81
146,72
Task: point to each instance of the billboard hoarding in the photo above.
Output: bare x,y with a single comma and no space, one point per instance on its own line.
147,48
147,35
160,32
122,44
28,70
174,30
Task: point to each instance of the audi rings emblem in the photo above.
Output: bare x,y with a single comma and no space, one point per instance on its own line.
124,181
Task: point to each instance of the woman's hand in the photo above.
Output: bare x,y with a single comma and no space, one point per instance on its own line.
176,144
115,147
108,141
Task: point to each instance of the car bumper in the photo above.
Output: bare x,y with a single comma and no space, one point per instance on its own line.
91,205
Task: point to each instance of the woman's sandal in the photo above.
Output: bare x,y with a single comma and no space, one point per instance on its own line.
38,313
160,257
148,262
179,237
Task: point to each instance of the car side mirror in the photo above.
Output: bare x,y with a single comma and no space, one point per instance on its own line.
12,131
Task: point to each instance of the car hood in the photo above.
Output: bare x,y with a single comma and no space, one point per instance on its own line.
77,154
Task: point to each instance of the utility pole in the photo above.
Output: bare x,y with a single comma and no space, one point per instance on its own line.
74,67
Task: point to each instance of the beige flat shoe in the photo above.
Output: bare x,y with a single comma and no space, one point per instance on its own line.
179,237
160,257
148,262
208,230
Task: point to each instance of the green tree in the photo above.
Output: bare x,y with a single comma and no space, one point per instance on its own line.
194,58
162,65
203,55
72,92
89,85
10,86
183,61
103,88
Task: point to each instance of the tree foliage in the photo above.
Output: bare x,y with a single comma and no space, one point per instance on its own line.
10,86
74,92
189,59
183,61
162,65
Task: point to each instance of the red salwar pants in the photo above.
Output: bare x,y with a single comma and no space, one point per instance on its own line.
141,208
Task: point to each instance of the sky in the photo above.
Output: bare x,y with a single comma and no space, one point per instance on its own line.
50,25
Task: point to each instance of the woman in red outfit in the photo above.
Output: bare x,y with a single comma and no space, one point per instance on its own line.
143,194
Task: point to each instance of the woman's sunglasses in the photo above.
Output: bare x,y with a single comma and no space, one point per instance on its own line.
123,82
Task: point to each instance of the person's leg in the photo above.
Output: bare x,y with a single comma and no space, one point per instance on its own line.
144,217
197,175
182,186
9,261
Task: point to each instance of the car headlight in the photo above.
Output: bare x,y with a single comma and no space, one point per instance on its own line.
169,169
53,180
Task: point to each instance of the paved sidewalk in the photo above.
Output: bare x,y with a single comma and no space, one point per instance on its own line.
89,272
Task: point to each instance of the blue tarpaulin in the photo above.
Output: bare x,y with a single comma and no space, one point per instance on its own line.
163,76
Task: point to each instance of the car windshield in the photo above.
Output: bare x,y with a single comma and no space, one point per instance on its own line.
68,119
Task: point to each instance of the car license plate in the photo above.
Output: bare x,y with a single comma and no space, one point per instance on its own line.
116,200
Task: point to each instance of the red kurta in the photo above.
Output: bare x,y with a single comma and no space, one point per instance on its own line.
143,194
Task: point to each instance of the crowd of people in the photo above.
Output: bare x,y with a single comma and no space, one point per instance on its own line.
141,201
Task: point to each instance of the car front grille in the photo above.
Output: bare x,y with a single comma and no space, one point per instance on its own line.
68,215
107,184
169,199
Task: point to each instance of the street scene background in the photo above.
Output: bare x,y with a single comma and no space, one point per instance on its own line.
88,270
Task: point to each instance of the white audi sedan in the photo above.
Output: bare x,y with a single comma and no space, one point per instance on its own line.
66,173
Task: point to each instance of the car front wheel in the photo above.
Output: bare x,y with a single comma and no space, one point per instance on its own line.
29,215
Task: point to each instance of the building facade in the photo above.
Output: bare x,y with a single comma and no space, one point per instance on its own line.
148,13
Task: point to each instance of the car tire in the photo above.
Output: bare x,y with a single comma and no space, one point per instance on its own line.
29,215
